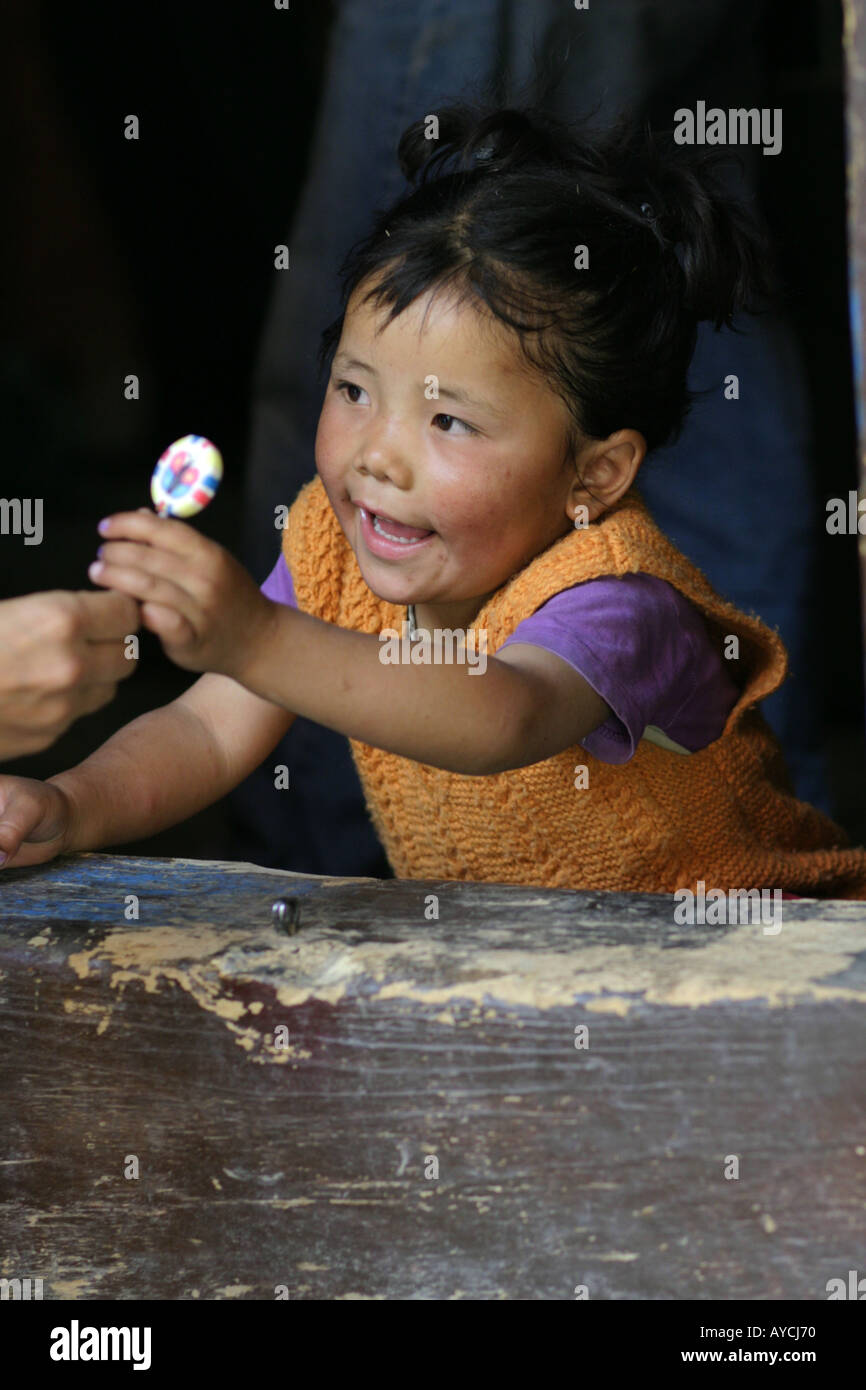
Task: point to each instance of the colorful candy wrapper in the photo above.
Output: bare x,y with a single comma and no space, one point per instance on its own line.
186,476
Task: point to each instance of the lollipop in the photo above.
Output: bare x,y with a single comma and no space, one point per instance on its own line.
186,476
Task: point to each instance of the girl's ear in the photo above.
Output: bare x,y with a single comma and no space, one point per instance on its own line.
604,473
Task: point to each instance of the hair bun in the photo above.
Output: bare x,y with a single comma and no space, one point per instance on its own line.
466,138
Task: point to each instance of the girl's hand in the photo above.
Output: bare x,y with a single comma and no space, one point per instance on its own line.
206,610
36,820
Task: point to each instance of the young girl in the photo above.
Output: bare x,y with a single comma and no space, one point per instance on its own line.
515,340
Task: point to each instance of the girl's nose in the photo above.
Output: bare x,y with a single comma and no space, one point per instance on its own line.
385,459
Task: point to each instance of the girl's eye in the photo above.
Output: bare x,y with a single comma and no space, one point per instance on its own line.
452,420
348,387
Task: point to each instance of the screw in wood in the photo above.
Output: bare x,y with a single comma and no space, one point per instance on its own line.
287,915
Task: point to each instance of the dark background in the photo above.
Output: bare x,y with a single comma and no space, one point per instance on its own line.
155,257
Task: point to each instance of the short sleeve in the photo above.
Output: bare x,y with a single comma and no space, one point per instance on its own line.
645,649
278,585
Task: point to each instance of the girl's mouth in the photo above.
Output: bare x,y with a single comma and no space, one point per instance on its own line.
387,537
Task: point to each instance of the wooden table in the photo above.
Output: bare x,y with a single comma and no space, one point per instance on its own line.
433,1120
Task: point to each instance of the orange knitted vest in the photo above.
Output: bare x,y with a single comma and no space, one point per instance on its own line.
662,821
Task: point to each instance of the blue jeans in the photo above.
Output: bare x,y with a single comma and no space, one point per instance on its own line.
736,465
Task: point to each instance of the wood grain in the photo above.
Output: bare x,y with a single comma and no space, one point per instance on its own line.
412,1039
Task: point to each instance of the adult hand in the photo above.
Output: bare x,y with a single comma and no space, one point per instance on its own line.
61,656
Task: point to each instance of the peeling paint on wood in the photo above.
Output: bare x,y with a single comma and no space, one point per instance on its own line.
413,1043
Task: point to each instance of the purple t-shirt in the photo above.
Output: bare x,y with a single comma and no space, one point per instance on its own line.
638,642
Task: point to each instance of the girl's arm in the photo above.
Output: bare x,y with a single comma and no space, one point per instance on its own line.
474,719
525,706
170,763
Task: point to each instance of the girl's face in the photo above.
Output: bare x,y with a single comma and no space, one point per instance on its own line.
480,468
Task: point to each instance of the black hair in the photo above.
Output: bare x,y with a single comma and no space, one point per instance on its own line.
500,201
